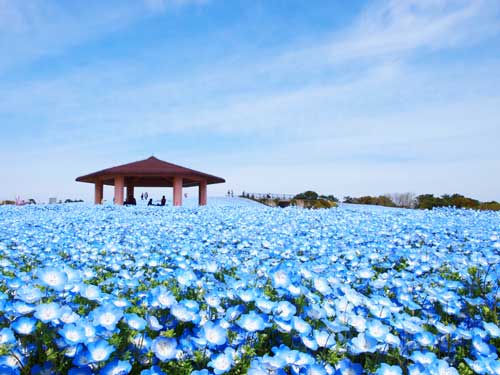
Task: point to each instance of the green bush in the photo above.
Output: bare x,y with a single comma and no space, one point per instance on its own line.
307,195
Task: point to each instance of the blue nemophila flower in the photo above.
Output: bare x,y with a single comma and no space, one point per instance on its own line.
24,325
286,355
100,350
185,311
213,300
324,339
84,370
281,278
91,292
285,310
7,370
252,322
377,330
164,348
213,333
425,338
134,321
185,277
492,329
106,316
321,285
365,273
265,305
7,336
234,312
222,362
116,367
283,325
161,297
423,358
14,283
47,312
29,294
301,326
73,334
481,347
442,367
362,344
53,278
153,323
386,369
44,369
68,316
346,367
201,372
314,369
247,296
309,342
14,360
154,370
23,308
357,321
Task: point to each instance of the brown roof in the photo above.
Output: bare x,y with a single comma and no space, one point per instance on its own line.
151,172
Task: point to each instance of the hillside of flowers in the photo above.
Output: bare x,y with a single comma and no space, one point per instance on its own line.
248,290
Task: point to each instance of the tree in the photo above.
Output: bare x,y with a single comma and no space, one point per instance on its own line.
307,195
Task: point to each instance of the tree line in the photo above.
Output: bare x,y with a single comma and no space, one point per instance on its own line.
423,201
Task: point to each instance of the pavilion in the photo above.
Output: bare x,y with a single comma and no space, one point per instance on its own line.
151,172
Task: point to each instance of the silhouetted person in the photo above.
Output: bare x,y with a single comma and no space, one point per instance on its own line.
150,203
142,196
163,201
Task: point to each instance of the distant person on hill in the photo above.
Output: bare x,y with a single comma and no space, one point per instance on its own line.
130,202
142,196
146,195
163,201
150,203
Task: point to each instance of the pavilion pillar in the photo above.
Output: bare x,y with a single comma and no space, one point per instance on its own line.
119,183
99,192
202,193
130,192
177,191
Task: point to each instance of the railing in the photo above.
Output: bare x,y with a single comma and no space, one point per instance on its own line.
268,196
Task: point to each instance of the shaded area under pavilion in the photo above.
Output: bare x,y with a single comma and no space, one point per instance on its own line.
150,172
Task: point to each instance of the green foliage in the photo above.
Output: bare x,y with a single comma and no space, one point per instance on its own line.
307,195
429,201
381,200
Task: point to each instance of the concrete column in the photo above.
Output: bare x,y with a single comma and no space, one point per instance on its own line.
177,191
119,183
130,191
202,193
99,190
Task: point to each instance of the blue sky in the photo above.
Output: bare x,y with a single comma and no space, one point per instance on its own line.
342,97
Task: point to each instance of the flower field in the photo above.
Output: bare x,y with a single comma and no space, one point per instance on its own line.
237,290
